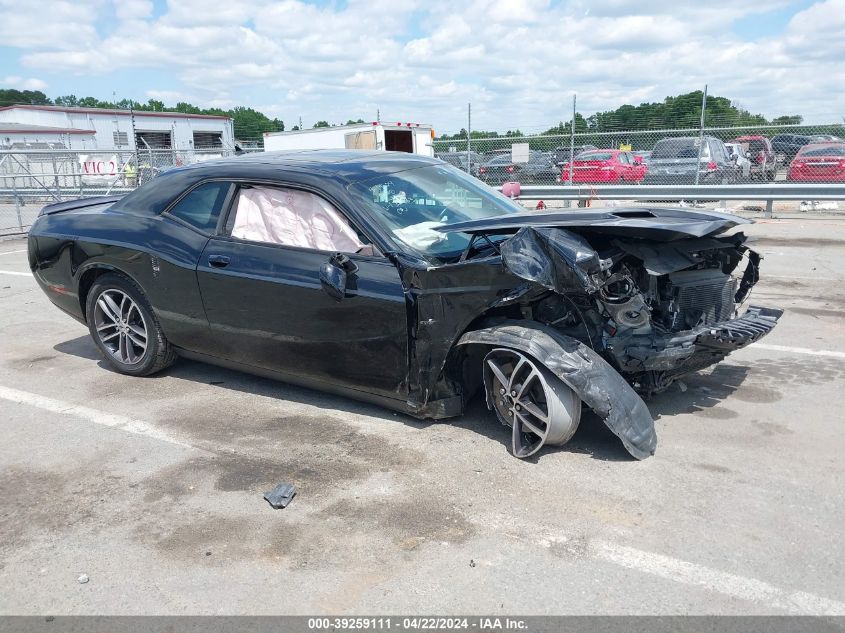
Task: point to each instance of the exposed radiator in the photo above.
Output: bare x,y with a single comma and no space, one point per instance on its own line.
703,296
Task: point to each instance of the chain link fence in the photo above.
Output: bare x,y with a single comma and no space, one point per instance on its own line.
30,179
683,156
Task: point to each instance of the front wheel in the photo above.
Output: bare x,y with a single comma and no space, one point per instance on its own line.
124,327
538,406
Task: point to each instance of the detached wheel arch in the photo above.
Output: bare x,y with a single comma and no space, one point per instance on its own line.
595,382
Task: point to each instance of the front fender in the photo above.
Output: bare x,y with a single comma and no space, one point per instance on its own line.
598,385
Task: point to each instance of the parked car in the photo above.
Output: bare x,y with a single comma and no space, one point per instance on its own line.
501,169
467,161
676,160
642,156
762,155
561,154
610,166
399,280
786,146
827,138
737,154
818,162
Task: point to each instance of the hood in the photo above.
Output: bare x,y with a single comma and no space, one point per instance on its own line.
655,223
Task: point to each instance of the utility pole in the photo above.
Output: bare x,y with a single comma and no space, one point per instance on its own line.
378,115
300,122
572,141
701,134
469,137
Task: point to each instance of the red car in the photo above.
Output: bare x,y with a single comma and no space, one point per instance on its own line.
818,162
605,166
762,155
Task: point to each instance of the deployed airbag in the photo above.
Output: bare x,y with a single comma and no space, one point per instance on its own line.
292,218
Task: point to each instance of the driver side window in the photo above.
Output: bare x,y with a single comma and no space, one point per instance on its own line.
291,217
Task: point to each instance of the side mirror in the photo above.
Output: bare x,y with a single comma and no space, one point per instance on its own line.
334,273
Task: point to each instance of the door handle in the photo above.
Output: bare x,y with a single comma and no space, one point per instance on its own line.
218,261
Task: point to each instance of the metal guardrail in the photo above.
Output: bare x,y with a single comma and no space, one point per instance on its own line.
772,191
767,193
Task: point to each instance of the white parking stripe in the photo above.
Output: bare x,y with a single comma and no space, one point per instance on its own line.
123,423
798,350
749,589
23,250
14,272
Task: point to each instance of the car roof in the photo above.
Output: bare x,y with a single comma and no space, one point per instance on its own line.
314,167
810,146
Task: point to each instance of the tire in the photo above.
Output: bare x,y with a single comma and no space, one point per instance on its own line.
538,406
124,327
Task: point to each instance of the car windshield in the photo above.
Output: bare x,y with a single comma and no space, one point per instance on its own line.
411,204
505,159
595,156
830,150
677,148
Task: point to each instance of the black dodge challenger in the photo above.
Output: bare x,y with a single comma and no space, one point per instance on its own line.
400,280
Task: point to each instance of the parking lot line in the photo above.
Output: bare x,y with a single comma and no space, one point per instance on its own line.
798,350
23,250
102,418
750,589
14,272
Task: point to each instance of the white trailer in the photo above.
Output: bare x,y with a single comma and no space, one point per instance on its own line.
414,138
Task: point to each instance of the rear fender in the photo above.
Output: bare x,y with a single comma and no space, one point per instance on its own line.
598,385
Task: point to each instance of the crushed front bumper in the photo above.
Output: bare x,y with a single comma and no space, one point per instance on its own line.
659,360
742,331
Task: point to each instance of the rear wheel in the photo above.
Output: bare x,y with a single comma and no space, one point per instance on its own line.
124,327
538,406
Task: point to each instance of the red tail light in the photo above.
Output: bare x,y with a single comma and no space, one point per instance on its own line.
761,158
509,169
711,166
482,170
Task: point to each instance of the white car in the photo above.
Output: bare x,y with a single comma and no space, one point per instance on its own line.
741,160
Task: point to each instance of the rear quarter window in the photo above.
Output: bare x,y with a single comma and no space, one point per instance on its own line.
201,206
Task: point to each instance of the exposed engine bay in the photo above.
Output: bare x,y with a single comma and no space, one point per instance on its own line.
655,301
652,302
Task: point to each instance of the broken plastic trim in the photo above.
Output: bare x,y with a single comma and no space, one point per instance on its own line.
598,384
554,258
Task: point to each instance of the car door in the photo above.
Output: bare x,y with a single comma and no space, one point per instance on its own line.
625,168
267,308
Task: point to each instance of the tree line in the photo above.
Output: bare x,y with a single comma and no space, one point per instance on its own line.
679,112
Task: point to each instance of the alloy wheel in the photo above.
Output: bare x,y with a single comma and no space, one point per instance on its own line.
524,398
120,326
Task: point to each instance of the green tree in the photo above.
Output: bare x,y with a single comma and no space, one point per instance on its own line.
788,119
321,124
10,96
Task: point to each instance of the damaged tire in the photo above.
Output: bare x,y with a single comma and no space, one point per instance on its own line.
538,406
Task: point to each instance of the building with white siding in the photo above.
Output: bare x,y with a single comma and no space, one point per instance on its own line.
24,136
107,129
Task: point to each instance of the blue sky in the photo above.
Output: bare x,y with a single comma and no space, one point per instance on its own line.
517,61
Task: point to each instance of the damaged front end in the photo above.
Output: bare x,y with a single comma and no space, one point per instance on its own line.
656,293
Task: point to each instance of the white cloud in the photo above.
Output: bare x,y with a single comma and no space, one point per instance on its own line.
13,81
517,61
